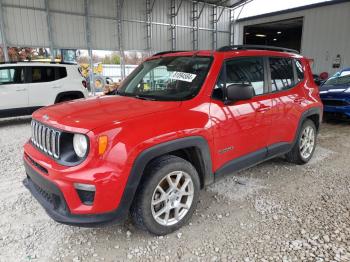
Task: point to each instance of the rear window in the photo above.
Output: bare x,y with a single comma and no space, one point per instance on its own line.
282,75
47,73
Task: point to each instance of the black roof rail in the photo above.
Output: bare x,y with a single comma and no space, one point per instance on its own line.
43,62
256,47
169,52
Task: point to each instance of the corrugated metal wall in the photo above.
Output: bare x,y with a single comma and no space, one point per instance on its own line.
26,24
325,34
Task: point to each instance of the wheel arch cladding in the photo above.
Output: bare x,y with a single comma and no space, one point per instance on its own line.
185,145
314,114
316,119
75,94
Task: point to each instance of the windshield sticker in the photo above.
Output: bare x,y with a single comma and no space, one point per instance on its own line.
182,76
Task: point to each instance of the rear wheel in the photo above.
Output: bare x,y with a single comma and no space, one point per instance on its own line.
304,148
167,196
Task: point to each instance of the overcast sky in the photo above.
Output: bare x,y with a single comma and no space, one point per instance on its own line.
257,7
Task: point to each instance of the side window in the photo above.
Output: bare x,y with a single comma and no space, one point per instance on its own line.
299,70
247,70
13,75
61,72
282,76
49,74
37,75
45,74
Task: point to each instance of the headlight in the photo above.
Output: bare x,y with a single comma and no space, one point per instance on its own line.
347,90
80,144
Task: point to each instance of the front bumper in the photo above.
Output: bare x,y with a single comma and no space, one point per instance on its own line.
336,104
54,203
337,110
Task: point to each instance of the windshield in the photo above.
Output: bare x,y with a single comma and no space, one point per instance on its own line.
340,79
168,78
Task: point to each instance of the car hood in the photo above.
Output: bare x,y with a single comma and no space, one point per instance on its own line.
84,115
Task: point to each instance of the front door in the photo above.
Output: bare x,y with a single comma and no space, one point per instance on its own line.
241,129
13,90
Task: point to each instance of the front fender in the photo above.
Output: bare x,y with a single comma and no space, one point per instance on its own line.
147,155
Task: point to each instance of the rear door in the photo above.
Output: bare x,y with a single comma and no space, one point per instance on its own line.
13,90
44,84
286,80
241,128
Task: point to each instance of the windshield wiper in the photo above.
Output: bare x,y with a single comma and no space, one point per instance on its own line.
145,98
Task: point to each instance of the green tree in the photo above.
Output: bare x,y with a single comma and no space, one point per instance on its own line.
112,59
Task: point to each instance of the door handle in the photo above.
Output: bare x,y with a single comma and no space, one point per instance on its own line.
20,90
263,108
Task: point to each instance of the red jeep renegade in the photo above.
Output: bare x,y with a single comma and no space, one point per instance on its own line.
179,122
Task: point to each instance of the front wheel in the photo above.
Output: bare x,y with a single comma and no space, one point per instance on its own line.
304,148
167,196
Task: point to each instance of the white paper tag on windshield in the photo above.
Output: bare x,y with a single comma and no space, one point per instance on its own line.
182,76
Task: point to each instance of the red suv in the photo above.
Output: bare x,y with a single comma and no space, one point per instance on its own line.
179,122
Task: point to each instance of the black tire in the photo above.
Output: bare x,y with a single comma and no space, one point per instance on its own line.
156,171
295,156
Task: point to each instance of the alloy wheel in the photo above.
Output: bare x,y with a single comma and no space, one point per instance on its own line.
307,142
172,198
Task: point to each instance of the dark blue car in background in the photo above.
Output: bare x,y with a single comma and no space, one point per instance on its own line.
335,94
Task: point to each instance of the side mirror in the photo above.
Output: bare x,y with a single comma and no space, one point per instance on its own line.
237,92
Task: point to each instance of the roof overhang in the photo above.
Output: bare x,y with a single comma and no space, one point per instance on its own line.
225,3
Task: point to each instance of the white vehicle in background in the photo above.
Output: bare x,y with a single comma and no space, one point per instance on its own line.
27,86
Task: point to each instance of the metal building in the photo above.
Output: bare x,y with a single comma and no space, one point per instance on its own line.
142,25
117,25
324,32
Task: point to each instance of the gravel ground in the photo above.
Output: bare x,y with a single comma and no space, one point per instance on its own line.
273,212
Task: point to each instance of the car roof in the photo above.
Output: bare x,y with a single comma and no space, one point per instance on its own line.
34,64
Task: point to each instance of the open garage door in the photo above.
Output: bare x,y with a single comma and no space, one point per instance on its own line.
283,33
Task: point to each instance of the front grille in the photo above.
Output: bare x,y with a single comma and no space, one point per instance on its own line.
46,139
330,102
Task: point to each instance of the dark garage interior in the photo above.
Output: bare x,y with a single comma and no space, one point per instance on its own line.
283,33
